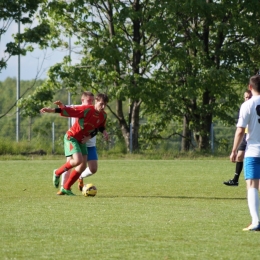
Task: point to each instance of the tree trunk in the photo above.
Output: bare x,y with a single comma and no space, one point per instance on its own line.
135,125
204,136
186,135
122,122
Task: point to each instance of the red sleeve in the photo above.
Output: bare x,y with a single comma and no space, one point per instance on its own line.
76,111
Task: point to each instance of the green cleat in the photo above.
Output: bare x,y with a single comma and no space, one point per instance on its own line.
66,192
56,180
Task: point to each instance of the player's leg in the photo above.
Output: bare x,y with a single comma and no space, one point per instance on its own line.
92,162
66,174
72,148
92,159
74,175
64,177
239,164
252,176
76,172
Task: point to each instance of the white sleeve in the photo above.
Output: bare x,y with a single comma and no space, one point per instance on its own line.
73,120
244,115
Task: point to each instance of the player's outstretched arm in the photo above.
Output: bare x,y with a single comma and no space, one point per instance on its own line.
47,110
59,104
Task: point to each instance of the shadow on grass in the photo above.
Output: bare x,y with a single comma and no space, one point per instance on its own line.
172,197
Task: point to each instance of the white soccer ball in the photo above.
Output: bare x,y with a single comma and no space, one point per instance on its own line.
89,190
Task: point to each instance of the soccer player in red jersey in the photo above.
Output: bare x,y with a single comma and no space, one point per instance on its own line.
89,118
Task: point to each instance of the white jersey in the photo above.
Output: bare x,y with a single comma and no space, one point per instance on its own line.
249,116
91,142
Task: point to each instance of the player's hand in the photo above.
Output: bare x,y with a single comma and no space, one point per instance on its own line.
85,139
106,136
59,104
233,157
46,110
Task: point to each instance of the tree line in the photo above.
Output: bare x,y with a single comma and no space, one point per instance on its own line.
160,62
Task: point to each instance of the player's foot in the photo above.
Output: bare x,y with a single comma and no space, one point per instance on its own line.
66,192
55,179
252,228
60,193
231,183
80,184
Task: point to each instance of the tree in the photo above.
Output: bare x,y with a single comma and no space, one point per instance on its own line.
169,60
117,53
210,51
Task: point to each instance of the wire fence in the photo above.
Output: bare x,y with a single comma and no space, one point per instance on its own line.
50,133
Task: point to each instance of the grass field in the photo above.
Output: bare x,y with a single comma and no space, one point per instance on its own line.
144,209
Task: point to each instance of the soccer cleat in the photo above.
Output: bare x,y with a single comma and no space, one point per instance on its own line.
231,183
252,228
80,184
60,193
66,192
56,180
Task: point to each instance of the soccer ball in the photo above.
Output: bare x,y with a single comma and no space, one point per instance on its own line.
89,190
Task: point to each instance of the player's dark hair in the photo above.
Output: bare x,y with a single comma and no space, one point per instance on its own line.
102,96
249,92
255,82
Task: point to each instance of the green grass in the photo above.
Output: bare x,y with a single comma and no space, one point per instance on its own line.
144,209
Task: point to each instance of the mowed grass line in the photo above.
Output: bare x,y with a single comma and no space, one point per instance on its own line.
144,209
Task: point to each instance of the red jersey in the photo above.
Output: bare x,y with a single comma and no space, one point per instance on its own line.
87,120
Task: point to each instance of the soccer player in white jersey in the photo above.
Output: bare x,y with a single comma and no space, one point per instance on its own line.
240,153
92,165
249,117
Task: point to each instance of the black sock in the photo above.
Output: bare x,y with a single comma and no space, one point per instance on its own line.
239,168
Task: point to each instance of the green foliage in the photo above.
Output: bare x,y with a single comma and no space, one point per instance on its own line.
9,147
33,103
169,60
144,209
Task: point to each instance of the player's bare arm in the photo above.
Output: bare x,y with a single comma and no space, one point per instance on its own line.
59,104
237,140
47,110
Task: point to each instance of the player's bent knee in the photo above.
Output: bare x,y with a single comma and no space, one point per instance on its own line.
78,161
93,170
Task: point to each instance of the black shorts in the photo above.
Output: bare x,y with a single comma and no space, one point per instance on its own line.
242,146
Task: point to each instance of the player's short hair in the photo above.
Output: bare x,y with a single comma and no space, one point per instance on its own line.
248,91
87,94
101,96
255,82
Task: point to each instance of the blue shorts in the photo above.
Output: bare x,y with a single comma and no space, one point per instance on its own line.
252,168
92,153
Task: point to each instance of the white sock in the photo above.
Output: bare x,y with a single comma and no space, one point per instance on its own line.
86,173
253,204
64,177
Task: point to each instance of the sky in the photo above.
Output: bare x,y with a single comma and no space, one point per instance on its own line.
34,64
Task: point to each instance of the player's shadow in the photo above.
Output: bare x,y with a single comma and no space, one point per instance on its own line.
173,197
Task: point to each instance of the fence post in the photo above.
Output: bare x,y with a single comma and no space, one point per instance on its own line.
130,139
212,137
53,137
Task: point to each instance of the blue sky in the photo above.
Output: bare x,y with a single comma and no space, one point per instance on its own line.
34,64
